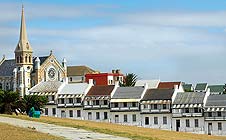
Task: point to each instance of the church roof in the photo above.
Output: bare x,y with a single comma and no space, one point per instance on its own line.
79,70
6,68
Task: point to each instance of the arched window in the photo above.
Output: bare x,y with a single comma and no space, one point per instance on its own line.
17,59
25,59
21,59
29,59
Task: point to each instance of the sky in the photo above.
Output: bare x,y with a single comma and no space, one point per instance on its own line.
174,40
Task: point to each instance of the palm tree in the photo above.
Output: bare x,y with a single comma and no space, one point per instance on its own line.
130,80
9,101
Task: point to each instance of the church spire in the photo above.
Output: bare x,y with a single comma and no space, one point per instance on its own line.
23,44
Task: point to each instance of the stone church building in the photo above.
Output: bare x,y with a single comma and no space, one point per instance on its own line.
25,70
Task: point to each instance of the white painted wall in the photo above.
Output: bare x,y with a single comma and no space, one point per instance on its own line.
93,115
66,110
129,118
215,130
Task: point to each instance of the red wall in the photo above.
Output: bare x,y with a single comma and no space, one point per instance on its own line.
99,78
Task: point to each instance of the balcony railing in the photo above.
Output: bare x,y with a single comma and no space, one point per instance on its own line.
155,110
187,114
216,118
124,108
69,104
96,106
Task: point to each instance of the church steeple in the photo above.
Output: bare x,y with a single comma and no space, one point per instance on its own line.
23,51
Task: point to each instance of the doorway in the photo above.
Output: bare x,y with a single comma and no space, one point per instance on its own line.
116,119
210,127
63,114
177,125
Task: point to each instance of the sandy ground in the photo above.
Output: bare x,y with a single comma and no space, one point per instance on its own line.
67,132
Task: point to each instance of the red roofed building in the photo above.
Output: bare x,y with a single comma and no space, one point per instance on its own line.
105,78
170,85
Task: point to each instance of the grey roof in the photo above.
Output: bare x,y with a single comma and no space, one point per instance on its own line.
158,94
47,86
216,100
189,98
128,93
77,88
201,86
42,60
216,88
6,68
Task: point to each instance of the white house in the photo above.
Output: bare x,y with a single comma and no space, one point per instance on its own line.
156,108
215,114
125,105
97,103
187,112
70,100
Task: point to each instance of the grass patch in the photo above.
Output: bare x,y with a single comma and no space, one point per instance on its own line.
9,132
133,132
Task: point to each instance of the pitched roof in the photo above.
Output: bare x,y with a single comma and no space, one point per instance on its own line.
79,70
151,83
6,68
216,100
168,85
216,88
158,94
187,87
189,98
201,86
128,93
47,86
78,88
42,60
104,90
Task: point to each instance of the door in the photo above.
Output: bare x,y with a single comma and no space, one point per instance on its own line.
116,119
177,125
210,127
89,115
63,114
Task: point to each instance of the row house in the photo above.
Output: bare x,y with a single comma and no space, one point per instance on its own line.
97,103
49,89
125,105
70,100
215,114
156,108
187,112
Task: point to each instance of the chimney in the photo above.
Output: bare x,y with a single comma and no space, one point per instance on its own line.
118,71
113,71
176,87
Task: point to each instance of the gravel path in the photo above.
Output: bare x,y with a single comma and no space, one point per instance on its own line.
56,130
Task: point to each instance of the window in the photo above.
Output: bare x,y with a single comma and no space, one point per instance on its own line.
105,115
70,100
124,104
164,106
70,113
46,111
97,102
155,106
134,117
134,104
145,106
155,120
146,121
29,59
89,115
219,126
218,114
62,101
186,110
0,85
70,79
52,98
164,120
187,123
54,111
97,115
209,114
196,110
116,104
78,100
78,113
25,59
105,102
125,118
196,123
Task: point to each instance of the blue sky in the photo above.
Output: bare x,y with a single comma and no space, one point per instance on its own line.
174,40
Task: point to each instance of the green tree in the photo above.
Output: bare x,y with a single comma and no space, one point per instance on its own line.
35,101
9,101
129,80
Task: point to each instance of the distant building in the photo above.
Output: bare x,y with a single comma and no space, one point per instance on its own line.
76,74
201,87
106,78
